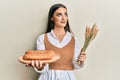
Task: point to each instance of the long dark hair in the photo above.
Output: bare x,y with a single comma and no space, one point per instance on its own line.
50,24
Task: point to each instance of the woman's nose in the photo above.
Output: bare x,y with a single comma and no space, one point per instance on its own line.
63,17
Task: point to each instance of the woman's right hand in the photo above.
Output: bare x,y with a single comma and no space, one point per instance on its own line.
37,64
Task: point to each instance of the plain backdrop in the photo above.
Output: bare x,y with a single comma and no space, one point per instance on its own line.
22,21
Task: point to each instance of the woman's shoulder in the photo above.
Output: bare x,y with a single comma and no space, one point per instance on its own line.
41,36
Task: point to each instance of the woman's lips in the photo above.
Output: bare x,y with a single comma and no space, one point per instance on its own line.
63,22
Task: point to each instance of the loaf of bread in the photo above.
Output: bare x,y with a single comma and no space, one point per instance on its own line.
38,55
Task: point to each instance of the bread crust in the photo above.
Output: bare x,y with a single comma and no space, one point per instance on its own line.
38,55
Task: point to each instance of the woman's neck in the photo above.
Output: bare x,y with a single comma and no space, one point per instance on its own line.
59,31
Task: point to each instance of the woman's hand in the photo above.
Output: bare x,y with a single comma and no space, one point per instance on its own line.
82,57
37,64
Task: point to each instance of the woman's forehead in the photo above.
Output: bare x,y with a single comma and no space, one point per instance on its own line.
61,9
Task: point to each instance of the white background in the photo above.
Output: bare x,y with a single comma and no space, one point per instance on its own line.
21,21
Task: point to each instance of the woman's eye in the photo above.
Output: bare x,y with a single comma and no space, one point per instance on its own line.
66,14
59,14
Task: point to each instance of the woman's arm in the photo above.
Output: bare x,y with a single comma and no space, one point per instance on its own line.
78,55
38,66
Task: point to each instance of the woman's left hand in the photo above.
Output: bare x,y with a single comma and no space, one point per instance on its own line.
82,57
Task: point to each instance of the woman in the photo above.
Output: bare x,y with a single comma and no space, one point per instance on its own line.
59,38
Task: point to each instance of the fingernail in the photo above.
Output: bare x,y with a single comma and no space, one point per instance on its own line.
26,65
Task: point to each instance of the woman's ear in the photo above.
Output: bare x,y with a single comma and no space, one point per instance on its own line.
51,18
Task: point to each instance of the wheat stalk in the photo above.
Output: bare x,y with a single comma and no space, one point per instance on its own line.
90,34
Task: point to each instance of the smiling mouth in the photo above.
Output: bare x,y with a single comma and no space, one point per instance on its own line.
63,22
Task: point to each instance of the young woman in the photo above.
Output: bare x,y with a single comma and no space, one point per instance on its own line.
58,37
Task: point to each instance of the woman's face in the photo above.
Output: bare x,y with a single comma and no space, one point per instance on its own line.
60,17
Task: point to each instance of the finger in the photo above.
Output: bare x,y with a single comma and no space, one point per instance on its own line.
36,62
84,57
82,60
83,53
32,63
41,64
81,56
